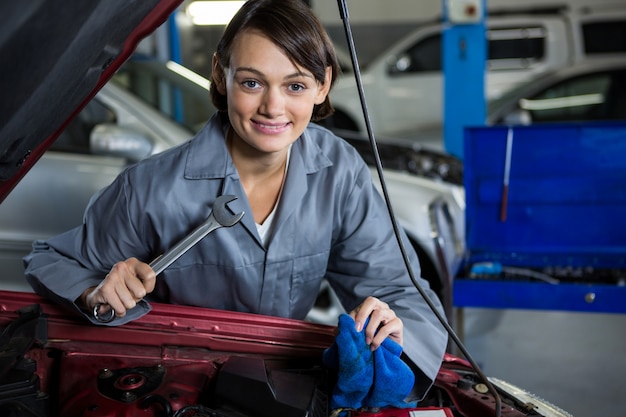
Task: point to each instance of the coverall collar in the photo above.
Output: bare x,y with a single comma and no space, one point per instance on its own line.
306,158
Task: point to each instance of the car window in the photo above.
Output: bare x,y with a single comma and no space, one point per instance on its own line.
75,138
604,37
515,48
174,93
599,96
424,56
508,48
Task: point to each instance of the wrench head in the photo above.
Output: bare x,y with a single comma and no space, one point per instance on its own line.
222,214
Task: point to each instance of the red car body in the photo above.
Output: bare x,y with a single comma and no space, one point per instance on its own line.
180,359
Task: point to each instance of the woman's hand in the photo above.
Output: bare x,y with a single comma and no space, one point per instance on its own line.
127,283
383,322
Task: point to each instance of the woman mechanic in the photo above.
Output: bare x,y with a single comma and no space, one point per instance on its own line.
311,209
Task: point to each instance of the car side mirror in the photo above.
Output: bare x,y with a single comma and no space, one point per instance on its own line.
108,139
399,64
518,117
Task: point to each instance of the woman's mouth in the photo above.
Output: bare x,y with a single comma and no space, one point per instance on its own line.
271,128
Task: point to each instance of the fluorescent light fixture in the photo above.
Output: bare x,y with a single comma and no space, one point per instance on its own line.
205,13
188,74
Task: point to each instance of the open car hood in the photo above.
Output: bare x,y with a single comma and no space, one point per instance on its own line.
56,55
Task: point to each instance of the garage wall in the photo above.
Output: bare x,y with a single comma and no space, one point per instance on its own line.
363,11
376,24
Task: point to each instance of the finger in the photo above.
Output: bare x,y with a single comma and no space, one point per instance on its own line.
133,287
118,289
107,295
362,312
392,330
147,276
127,294
375,321
138,279
380,316
377,311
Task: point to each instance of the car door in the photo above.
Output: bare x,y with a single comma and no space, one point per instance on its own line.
410,91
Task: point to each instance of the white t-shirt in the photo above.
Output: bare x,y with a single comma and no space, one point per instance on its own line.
265,228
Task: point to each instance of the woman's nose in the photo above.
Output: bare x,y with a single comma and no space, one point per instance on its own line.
273,103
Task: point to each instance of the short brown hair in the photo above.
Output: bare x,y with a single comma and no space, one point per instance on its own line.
294,28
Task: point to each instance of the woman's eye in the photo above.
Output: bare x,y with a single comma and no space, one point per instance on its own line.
296,87
250,84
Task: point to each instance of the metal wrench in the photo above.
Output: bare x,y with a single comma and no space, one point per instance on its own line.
220,217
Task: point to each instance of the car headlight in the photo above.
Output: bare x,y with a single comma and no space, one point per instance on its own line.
534,403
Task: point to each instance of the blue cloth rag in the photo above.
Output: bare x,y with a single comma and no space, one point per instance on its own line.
366,378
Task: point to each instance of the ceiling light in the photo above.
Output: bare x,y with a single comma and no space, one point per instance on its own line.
204,13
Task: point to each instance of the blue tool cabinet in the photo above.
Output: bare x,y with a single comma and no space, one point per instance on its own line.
549,203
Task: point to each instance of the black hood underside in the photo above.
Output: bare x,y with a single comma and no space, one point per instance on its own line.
56,54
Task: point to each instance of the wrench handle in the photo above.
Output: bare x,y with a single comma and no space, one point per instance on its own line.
175,252
163,261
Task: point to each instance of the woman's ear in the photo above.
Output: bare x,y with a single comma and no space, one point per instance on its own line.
324,89
217,75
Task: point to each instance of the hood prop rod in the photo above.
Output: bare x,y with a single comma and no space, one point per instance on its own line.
343,12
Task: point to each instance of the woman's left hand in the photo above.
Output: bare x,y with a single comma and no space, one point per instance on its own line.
383,322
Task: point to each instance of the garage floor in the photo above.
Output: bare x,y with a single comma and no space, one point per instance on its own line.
576,361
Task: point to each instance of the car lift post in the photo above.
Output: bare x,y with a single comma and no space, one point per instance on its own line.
464,55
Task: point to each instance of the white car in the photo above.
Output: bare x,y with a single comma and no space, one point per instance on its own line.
594,90
590,91
150,106
404,84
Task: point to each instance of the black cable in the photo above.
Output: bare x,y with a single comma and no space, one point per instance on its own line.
343,12
197,411
148,400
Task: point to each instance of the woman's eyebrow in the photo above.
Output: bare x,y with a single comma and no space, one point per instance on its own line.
248,69
260,74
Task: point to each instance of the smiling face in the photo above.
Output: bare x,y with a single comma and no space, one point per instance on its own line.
270,99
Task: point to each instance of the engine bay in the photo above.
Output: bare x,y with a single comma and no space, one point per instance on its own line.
107,371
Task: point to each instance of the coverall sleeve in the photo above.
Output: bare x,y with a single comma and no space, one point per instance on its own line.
64,266
366,261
